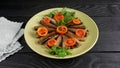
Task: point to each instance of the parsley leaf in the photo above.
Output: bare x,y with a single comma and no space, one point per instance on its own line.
68,16
51,14
59,51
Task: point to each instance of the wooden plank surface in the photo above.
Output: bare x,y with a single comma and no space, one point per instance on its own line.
106,52
91,60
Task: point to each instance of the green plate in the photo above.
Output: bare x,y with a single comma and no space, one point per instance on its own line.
31,40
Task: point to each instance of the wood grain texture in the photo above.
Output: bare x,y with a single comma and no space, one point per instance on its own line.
29,8
32,60
106,52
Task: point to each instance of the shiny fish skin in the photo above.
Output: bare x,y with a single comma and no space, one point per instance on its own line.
48,25
59,40
45,38
78,27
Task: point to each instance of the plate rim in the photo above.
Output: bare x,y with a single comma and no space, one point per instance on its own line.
71,56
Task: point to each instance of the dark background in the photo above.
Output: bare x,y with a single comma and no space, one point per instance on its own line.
106,52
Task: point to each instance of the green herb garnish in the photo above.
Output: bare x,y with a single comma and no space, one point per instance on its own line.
51,14
59,51
61,23
68,16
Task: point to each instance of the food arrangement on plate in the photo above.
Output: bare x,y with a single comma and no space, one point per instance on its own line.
60,31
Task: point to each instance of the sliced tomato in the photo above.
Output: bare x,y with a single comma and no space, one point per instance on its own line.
62,29
70,42
42,31
80,33
76,21
46,20
51,42
59,17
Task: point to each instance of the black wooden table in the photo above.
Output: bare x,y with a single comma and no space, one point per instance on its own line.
106,52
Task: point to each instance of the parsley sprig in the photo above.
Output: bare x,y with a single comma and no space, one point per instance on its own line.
68,16
59,51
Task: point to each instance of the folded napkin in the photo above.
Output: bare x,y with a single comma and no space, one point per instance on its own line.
10,32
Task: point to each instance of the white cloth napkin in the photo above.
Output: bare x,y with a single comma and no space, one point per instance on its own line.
10,32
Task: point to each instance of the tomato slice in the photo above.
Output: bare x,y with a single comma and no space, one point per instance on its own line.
76,21
51,42
62,29
42,31
70,42
59,17
46,20
80,33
